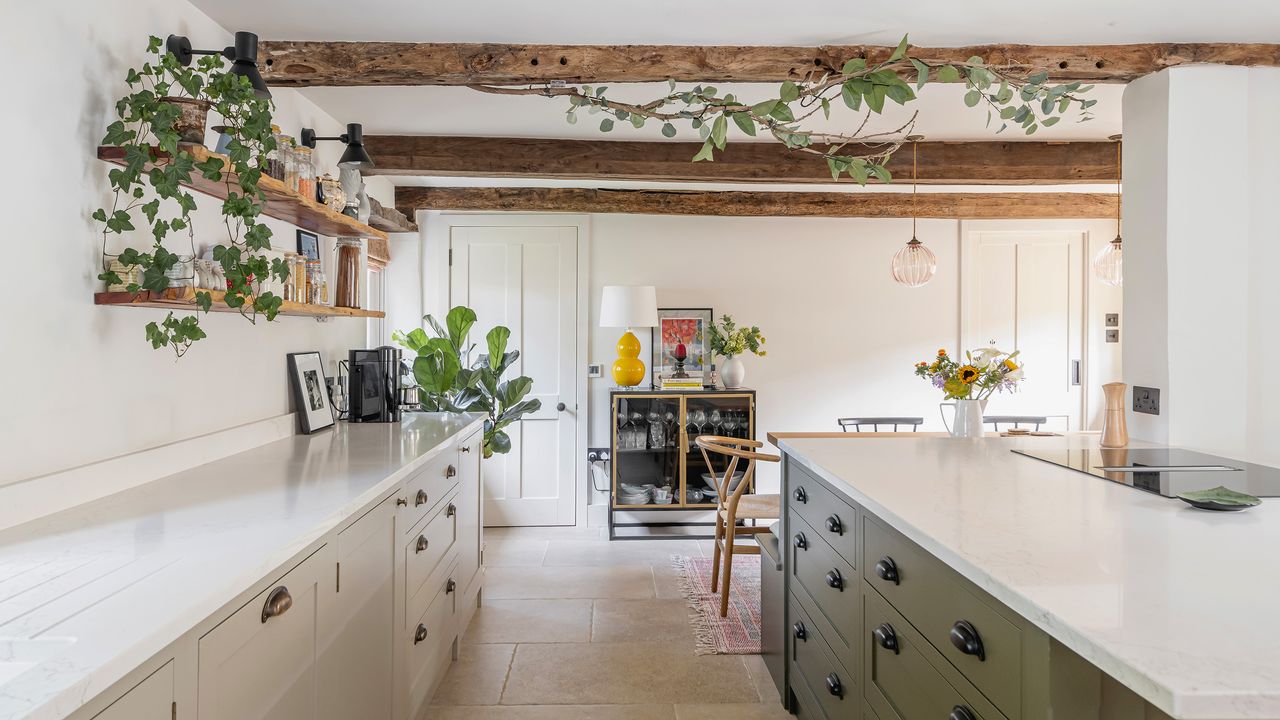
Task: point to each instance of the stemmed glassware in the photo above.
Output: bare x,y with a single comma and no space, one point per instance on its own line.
700,419
670,419
715,420
730,423
657,431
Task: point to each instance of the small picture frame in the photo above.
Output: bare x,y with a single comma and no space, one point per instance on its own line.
682,325
310,391
309,245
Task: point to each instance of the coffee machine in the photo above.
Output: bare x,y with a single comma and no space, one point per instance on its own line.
373,389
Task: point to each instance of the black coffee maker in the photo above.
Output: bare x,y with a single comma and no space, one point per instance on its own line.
373,385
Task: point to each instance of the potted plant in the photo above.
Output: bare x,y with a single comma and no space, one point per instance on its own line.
971,383
448,381
158,121
729,341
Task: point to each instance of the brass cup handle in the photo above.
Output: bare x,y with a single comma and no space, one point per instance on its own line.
278,603
421,544
450,471
420,498
420,634
451,510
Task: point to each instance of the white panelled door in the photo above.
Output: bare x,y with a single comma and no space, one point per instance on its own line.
1025,291
526,278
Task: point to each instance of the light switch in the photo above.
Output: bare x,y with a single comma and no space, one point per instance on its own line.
1113,319
1113,335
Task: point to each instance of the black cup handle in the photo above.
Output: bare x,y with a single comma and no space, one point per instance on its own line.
833,685
800,541
800,495
961,712
965,638
835,579
801,632
834,525
886,637
887,570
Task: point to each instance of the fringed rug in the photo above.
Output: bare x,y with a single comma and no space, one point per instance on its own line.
739,632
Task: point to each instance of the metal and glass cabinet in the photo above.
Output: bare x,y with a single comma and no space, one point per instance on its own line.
657,469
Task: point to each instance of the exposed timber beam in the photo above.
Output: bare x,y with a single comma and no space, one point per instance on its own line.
815,204
312,63
941,163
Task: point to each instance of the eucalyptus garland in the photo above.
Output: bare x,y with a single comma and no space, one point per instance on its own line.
1028,101
145,131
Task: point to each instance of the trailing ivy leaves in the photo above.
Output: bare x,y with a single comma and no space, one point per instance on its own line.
156,170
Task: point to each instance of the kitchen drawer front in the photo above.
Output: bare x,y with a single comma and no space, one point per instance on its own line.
806,704
430,639
938,603
424,490
824,511
830,583
815,666
900,682
427,548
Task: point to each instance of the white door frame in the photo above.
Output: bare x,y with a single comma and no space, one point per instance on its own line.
436,289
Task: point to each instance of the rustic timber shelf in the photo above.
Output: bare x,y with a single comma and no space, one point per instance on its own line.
282,203
185,299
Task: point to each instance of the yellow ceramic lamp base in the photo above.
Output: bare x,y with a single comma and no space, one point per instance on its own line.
628,370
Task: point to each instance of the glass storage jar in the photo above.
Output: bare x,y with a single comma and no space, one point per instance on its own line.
347,287
306,174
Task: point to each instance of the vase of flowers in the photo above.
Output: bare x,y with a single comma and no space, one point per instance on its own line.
970,383
729,341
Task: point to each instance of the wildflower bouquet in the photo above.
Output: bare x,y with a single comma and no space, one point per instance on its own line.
982,373
728,340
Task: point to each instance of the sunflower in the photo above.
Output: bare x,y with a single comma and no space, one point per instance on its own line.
967,374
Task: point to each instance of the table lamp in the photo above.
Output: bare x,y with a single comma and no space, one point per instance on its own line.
628,306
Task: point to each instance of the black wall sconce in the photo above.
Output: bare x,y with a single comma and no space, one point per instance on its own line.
355,155
243,56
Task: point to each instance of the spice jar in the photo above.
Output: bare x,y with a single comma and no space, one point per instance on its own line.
299,277
290,284
275,158
306,173
313,286
347,286
288,156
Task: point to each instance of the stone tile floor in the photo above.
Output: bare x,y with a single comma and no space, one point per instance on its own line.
574,627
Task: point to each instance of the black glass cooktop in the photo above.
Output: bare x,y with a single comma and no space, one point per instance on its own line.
1166,471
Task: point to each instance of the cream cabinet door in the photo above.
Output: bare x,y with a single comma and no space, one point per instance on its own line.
358,620
151,699
260,663
469,504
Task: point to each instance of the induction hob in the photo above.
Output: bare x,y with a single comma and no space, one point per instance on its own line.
1165,471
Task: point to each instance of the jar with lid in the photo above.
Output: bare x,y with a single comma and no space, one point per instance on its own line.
290,284
289,158
331,189
347,286
299,277
313,284
306,173
275,163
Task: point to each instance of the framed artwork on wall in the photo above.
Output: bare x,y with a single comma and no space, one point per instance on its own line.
687,327
309,245
310,391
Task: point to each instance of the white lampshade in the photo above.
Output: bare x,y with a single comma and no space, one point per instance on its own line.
628,306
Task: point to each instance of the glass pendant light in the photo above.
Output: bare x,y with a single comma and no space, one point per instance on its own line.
915,264
1108,264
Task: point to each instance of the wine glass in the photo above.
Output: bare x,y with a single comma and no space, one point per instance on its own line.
670,419
715,419
730,423
700,419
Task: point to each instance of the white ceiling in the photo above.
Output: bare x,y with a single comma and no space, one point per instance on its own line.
754,22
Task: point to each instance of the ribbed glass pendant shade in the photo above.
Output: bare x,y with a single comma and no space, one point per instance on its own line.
913,265
1108,264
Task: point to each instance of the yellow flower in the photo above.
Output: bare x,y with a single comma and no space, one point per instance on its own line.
1010,365
967,374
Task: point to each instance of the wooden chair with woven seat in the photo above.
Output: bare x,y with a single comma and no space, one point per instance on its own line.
732,505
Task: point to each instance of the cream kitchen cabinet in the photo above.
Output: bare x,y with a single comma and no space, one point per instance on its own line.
151,699
470,506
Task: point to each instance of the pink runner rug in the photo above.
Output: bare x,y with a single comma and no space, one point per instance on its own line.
739,632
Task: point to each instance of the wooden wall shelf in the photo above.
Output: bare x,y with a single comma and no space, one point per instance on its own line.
185,299
282,203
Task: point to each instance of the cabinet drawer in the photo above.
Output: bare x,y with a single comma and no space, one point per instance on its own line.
151,699
831,584
814,665
935,600
806,705
830,515
899,680
426,488
427,549
430,639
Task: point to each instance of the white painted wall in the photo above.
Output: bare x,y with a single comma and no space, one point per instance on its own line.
80,382
1200,249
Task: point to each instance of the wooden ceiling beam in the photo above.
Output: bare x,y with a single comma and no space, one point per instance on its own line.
757,204
313,63
941,163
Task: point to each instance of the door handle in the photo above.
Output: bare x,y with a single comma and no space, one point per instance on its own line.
1075,372
450,471
278,603
886,637
561,407
420,634
420,498
965,638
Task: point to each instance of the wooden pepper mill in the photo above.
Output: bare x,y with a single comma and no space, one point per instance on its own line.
1115,433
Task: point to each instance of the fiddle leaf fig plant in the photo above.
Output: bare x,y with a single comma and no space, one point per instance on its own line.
156,197
448,381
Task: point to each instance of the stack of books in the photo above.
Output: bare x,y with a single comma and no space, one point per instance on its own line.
693,382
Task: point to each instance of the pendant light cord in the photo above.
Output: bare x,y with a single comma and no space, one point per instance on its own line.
1119,175
915,203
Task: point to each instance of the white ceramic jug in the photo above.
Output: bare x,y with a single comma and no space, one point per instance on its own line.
968,418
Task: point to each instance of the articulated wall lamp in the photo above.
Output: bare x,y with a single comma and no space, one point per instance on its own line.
243,56
354,156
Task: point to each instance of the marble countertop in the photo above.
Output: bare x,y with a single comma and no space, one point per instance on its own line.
1176,603
92,592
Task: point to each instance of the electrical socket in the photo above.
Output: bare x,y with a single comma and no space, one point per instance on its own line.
1146,400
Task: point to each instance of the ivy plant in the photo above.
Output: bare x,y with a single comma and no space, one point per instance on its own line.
151,187
448,381
1028,101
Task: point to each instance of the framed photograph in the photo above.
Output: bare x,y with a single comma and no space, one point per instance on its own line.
682,326
309,244
310,391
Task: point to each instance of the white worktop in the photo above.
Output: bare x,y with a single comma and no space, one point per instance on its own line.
96,590
1180,605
